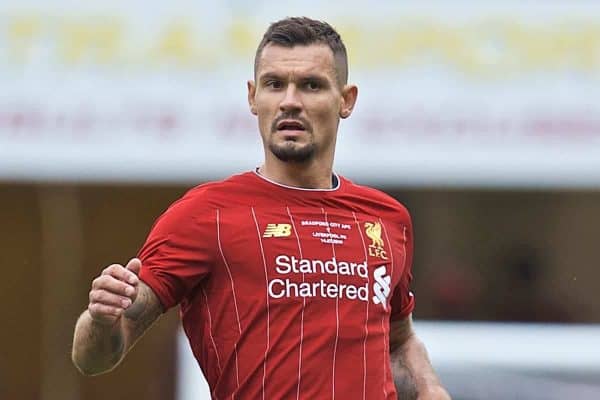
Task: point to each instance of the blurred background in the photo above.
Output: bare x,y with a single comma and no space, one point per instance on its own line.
483,118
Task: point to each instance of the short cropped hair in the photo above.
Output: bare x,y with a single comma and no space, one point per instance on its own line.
303,31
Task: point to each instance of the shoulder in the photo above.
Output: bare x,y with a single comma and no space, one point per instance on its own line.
213,194
375,198
201,201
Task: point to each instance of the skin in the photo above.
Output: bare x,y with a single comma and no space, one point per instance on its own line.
293,85
299,83
413,374
120,310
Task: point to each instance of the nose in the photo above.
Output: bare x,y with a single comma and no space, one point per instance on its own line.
291,101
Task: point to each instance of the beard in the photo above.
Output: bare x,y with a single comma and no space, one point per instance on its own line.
289,151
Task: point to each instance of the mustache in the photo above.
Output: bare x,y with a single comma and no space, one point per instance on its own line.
294,116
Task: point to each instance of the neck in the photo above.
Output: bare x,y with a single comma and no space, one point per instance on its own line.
311,175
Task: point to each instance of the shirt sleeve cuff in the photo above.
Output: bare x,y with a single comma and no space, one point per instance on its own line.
161,292
404,311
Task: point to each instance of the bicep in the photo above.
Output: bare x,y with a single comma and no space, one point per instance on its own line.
403,300
401,330
141,315
179,252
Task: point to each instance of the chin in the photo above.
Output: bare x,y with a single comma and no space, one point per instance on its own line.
293,152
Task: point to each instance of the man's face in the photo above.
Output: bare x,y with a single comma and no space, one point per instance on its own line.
298,101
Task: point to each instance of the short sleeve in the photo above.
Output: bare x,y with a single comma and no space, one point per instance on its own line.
403,300
179,251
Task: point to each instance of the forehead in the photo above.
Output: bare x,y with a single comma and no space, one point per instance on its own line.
313,58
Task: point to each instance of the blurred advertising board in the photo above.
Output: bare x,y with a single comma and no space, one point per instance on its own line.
462,93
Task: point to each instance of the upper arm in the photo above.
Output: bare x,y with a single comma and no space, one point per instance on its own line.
141,315
401,330
179,251
403,300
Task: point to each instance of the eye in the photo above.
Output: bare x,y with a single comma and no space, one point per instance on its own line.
312,85
274,84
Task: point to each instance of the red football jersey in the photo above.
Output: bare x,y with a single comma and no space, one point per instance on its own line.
285,293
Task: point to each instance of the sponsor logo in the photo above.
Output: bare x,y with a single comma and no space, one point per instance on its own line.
277,230
381,287
279,288
287,283
289,266
376,248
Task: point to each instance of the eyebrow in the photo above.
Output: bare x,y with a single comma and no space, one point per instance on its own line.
302,78
316,78
270,75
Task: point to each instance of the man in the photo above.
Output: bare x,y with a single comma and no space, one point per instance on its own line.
293,281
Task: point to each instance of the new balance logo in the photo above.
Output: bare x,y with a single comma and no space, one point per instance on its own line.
381,287
277,230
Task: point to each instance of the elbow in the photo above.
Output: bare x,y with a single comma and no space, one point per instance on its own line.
90,369
434,393
86,371
82,367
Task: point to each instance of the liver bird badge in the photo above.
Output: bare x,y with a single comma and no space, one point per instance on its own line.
373,231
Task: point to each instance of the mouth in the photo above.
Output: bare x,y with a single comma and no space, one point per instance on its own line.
290,127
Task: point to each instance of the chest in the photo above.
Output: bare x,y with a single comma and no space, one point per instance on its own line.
298,253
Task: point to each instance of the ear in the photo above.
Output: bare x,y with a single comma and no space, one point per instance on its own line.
251,94
349,96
